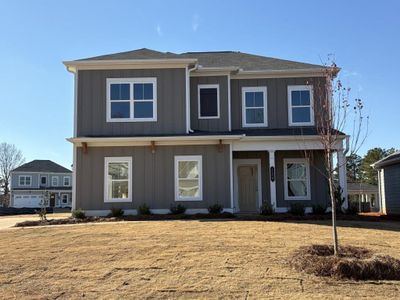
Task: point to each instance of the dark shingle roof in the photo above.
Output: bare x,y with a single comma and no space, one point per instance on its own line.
360,187
388,160
42,166
212,59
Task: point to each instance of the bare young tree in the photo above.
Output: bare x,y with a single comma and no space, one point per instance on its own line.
335,114
10,158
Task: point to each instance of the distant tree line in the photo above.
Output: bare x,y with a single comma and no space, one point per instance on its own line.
359,168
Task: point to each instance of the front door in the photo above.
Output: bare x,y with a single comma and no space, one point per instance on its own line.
247,188
52,199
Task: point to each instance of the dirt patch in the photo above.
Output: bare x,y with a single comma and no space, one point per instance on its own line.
355,263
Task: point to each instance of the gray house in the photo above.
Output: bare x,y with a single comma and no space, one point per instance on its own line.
30,181
389,183
197,128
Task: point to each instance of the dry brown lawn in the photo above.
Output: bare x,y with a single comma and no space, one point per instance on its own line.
182,259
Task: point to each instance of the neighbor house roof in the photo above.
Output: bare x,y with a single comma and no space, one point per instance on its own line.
361,188
388,160
210,59
38,165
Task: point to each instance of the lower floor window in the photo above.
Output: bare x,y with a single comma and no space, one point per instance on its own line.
118,179
188,178
64,198
297,179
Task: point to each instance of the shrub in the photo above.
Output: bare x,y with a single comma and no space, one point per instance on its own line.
297,209
339,199
78,214
215,209
352,209
116,212
318,209
177,209
266,209
144,209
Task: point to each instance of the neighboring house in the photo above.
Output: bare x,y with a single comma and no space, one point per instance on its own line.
364,196
389,183
30,181
196,129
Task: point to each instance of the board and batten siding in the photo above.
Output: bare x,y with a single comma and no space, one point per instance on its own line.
91,107
277,98
391,188
222,123
153,180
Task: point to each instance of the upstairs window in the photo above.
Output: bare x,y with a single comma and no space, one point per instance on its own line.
297,179
43,180
25,180
131,99
254,106
300,104
67,181
188,178
208,101
54,180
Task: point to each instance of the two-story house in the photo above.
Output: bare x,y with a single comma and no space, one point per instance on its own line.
196,128
30,182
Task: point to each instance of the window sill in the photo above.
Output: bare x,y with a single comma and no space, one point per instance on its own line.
130,120
117,200
189,200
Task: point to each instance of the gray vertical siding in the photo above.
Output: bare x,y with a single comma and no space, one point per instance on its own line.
220,124
391,188
318,183
171,103
35,183
277,98
153,176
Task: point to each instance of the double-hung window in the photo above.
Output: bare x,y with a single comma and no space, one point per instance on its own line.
297,179
131,99
188,178
54,180
208,101
300,104
254,106
25,180
117,179
67,181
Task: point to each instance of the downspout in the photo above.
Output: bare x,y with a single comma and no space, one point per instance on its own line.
188,129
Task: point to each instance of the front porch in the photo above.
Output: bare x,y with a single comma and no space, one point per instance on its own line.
288,173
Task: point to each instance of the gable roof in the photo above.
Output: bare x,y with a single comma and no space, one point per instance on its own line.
391,159
38,165
211,59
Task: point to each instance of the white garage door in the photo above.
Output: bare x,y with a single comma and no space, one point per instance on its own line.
27,200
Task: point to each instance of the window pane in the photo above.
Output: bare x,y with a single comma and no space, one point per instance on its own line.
296,98
297,188
189,188
208,102
138,91
296,171
28,180
43,180
118,170
259,99
148,91
120,110
301,114
119,190
188,169
250,99
305,98
120,91
255,116
143,109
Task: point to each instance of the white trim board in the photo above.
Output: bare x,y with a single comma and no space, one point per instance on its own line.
243,162
114,159
208,86
305,161
293,88
195,158
255,89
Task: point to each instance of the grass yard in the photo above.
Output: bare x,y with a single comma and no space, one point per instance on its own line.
182,259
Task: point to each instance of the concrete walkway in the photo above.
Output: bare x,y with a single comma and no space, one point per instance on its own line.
10,221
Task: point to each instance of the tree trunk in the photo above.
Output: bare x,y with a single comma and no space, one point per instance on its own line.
6,189
334,230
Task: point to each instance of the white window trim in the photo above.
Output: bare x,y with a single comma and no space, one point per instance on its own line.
305,161
52,180
197,158
25,176
62,198
265,99
69,180
208,86
292,88
131,81
107,160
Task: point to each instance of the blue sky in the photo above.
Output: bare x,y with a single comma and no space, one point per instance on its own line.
36,36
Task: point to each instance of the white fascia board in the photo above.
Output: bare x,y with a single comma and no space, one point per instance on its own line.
72,66
290,73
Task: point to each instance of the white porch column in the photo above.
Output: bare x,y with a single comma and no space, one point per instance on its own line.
343,176
272,177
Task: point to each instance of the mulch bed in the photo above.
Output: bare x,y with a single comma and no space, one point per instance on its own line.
354,263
